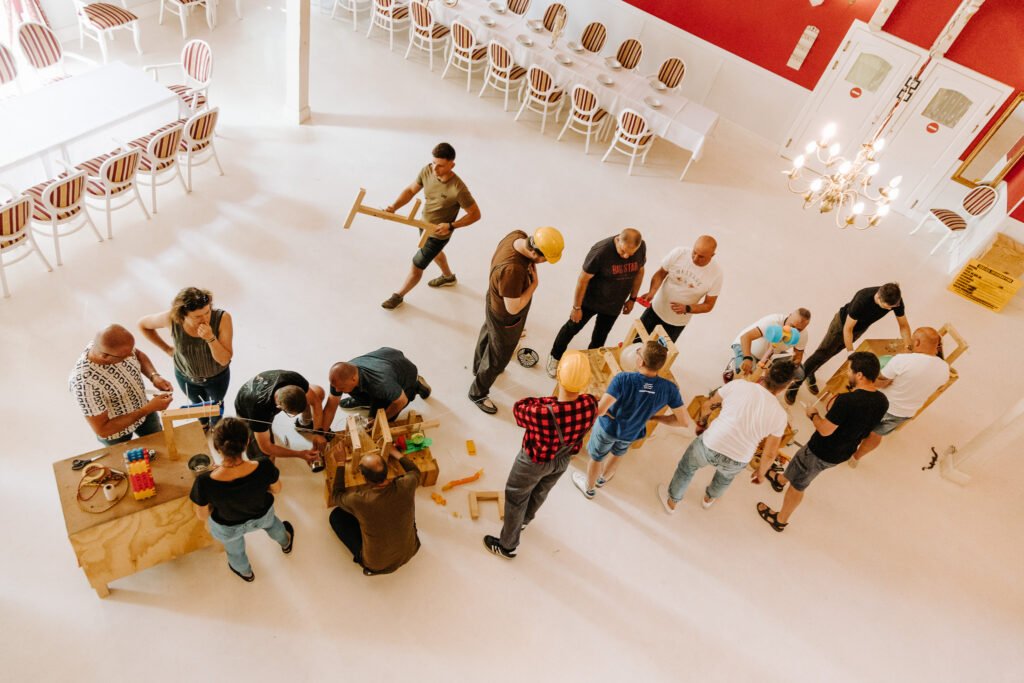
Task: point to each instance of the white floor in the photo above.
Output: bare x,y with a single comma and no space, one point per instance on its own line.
886,573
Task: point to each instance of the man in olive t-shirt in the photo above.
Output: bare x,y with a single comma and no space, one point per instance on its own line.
510,288
444,194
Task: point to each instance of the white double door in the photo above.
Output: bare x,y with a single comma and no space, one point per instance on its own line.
927,125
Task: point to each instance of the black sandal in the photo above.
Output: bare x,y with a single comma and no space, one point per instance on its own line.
773,478
772,517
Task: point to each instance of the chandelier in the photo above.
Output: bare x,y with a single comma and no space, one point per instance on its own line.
845,184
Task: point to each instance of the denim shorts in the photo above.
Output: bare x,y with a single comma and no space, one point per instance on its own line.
428,252
600,444
889,424
804,467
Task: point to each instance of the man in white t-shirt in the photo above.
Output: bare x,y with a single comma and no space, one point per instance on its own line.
687,283
750,413
769,340
907,380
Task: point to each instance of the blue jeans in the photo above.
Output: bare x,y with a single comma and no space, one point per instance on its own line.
233,538
600,444
698,455
210,389
151,425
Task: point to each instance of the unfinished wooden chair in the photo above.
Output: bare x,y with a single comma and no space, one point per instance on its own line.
426,34
58,209
99,20
196,146
629,53
541,96
978,202
389,15
16,234
633,137
197,70
520,7
594,35
43,52
502,74
183,10
352,7
671,73
465,54
585,115
112,182
160,157
551,13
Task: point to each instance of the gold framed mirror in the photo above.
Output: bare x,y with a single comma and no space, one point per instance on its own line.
998,151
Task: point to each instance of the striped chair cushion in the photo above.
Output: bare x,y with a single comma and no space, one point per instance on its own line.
551,97
594,117
197,60
516,73
951,219
594,36
66,195
436,33
396,11
143,142
551,12
629,53
499,54
187,96
464,39
8,67
103,15
13,219
119,174
671,72
519,7
480,53
39,45
979,200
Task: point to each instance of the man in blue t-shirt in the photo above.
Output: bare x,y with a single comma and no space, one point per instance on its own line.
630,401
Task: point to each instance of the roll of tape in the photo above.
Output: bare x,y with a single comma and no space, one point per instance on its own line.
109,491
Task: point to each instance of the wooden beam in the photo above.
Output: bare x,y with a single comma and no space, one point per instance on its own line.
476,496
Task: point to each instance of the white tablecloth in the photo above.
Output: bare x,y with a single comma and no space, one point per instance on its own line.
678,120
77,118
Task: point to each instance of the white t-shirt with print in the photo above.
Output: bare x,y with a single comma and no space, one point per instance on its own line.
114,389
915,377
749,413
759,347
686,283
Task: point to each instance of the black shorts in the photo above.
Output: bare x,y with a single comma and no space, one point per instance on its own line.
804,467
428,252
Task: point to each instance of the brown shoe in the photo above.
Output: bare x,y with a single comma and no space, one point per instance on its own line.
393,302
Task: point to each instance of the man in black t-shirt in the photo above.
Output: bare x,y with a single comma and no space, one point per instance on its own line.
836,437
271,392
867,307
384,378
612,274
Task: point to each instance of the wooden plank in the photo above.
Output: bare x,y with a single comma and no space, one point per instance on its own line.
355,208
476,496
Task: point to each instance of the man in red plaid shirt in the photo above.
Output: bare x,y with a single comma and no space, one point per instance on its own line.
555,427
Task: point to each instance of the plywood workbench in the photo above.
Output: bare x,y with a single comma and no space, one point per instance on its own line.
135,535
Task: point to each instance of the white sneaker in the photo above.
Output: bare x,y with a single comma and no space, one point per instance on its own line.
663,499
580,479
705,503
552,367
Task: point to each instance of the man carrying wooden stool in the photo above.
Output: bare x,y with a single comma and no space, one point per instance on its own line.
444,194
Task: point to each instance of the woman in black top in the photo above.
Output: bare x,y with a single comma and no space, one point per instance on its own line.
238,497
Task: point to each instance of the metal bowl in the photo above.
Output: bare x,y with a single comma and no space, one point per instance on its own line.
199,463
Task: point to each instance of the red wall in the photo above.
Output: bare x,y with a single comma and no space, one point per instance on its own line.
766,31
920,21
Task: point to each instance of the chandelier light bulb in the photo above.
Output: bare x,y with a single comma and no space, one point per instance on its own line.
895,182
811,146
798,162
857,209
828,132
834,149
882,211
878,145
816,184
845,167
893,193
873,169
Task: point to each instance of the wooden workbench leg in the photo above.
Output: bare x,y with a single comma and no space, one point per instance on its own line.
102,590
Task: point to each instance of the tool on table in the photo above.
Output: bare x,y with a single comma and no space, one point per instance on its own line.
78,463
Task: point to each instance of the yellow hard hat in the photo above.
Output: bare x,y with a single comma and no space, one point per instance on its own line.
574,371
549,242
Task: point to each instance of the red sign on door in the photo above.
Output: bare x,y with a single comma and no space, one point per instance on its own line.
932,127
855,93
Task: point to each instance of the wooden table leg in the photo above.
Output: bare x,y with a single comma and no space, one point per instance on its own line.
102,590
